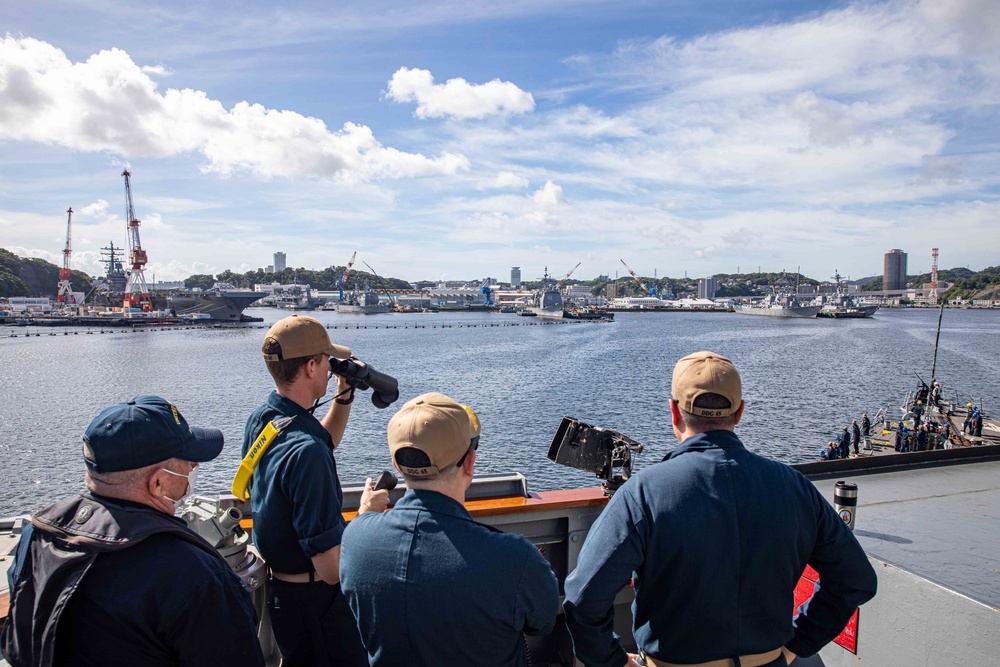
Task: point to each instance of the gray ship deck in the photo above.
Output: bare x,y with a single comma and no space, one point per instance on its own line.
940,523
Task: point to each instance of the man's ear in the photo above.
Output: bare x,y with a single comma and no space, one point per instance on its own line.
739,413
154,483
469,464
675,413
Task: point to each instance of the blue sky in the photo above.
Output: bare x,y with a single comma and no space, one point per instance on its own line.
452,140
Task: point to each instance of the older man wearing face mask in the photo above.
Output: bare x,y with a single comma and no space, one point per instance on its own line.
110,576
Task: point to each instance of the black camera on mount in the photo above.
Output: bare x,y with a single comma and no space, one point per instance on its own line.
385,388
607,453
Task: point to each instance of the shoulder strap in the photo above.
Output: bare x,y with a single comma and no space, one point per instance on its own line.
20,556
241,482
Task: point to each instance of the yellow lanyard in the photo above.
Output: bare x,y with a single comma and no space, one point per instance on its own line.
241,482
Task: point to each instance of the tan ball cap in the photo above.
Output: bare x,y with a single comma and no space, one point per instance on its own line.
706,373
436,425
301,337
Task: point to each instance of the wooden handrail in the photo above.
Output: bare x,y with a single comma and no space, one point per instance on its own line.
536,502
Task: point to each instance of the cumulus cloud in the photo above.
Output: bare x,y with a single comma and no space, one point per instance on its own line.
457,98
549,196
97,211
108,103
506,180
546,201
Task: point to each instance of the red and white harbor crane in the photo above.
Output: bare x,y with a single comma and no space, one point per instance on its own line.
566,277
343,279
136,292
65,293
636,278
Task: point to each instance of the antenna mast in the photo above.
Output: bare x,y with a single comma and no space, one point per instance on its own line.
136,293
934,274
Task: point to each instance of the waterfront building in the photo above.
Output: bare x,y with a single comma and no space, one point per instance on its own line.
29,304
894,270
707,288
636,302
456,297
279,261
515,277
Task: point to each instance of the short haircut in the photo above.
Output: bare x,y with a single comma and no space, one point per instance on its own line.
411,457
124,484
286,370
712,402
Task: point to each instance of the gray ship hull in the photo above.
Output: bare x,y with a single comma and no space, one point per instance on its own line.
780,311
225,305
853,312
550,305
359,309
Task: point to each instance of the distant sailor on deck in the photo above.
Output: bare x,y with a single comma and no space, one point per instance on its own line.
828,453
110,577
714,539
844,442
428,584
297,500
855,436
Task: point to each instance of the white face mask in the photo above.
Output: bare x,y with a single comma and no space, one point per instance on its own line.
191,477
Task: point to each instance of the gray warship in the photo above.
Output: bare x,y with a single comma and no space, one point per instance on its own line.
779,305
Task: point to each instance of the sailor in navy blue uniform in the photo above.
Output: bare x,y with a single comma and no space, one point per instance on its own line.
110,577
714,539
428,584
296,499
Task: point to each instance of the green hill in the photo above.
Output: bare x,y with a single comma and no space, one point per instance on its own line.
34,277
983,284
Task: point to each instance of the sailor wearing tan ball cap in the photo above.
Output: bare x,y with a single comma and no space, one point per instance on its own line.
714,539
289,473
427,583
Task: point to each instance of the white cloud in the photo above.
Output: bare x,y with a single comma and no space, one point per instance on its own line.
96,211
507,180
549,196
156,70
108,103
457,98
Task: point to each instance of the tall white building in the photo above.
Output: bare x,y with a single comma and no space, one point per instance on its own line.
515,276
279,261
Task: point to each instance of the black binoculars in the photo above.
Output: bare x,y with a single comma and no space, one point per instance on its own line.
385,388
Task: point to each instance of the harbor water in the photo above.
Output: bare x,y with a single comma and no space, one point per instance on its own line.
803,379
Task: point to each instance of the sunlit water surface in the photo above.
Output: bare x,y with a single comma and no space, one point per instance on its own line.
802,381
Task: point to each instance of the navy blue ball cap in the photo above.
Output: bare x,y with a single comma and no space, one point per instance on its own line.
143,431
